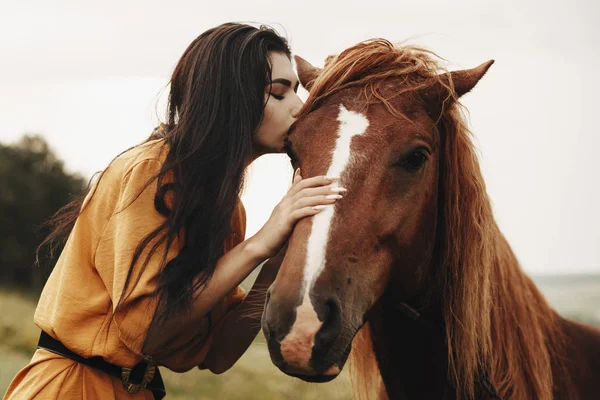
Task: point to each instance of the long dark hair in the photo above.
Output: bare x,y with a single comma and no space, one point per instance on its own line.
216,103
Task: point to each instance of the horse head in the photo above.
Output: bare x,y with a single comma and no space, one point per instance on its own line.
375,118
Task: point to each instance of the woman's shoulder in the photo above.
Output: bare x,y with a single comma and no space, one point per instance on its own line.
130,170
140,162
152,151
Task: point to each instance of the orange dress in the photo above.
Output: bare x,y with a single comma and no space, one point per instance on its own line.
77,305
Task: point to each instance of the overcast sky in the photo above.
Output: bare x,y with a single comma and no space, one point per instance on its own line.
91,77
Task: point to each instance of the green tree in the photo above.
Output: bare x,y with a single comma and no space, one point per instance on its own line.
33,186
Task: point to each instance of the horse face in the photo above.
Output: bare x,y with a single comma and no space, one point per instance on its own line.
339,262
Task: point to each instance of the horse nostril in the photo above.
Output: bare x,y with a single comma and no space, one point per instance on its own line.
331,324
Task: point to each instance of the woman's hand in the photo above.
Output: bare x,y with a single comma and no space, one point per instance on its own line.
306,197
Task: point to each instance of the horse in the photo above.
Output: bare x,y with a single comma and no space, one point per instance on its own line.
408,275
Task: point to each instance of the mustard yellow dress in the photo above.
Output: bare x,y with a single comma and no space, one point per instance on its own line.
77,305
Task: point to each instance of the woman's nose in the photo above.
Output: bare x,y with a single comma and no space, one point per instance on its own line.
297,106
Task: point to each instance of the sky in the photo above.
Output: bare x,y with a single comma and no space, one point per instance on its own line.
92,78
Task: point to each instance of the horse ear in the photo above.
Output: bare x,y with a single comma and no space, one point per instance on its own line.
463,81
466,80
307,73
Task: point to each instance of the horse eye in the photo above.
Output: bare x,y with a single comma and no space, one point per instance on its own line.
414,161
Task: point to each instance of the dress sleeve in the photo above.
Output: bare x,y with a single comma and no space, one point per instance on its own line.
191,348
133,219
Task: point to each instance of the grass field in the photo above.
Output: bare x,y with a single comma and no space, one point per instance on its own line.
254,376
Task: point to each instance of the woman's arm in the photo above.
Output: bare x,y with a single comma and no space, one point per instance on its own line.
242,324
305,198
230,271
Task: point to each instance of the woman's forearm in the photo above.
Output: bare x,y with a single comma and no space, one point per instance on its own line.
230,271
240,326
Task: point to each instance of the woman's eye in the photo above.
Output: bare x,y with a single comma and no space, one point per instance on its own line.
414,161
277,96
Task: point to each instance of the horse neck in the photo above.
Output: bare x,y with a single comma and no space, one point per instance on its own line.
413,357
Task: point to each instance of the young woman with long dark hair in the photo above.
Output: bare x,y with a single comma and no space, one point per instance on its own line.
150,271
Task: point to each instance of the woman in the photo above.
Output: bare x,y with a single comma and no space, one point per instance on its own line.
150,271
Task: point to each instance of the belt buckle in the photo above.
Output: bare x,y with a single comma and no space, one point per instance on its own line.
149,372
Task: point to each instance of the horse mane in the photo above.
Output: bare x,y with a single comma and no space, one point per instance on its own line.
496,319
368,65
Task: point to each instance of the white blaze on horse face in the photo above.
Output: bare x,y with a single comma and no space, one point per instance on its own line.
296,347
351,124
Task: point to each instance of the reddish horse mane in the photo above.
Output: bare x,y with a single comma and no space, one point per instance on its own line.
495,317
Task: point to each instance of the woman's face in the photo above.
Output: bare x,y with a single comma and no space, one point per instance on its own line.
283,104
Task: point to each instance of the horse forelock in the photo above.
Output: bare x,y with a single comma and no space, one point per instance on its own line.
368,65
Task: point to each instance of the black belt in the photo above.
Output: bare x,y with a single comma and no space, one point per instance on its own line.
143,375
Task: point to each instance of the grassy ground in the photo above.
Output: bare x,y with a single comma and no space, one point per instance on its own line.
254,376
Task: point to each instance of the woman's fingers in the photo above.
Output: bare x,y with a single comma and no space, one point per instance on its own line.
319,191
306,197
317,200
315,181
311,192
307,212
297,176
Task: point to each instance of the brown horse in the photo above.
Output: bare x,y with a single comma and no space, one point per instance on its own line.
409,269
